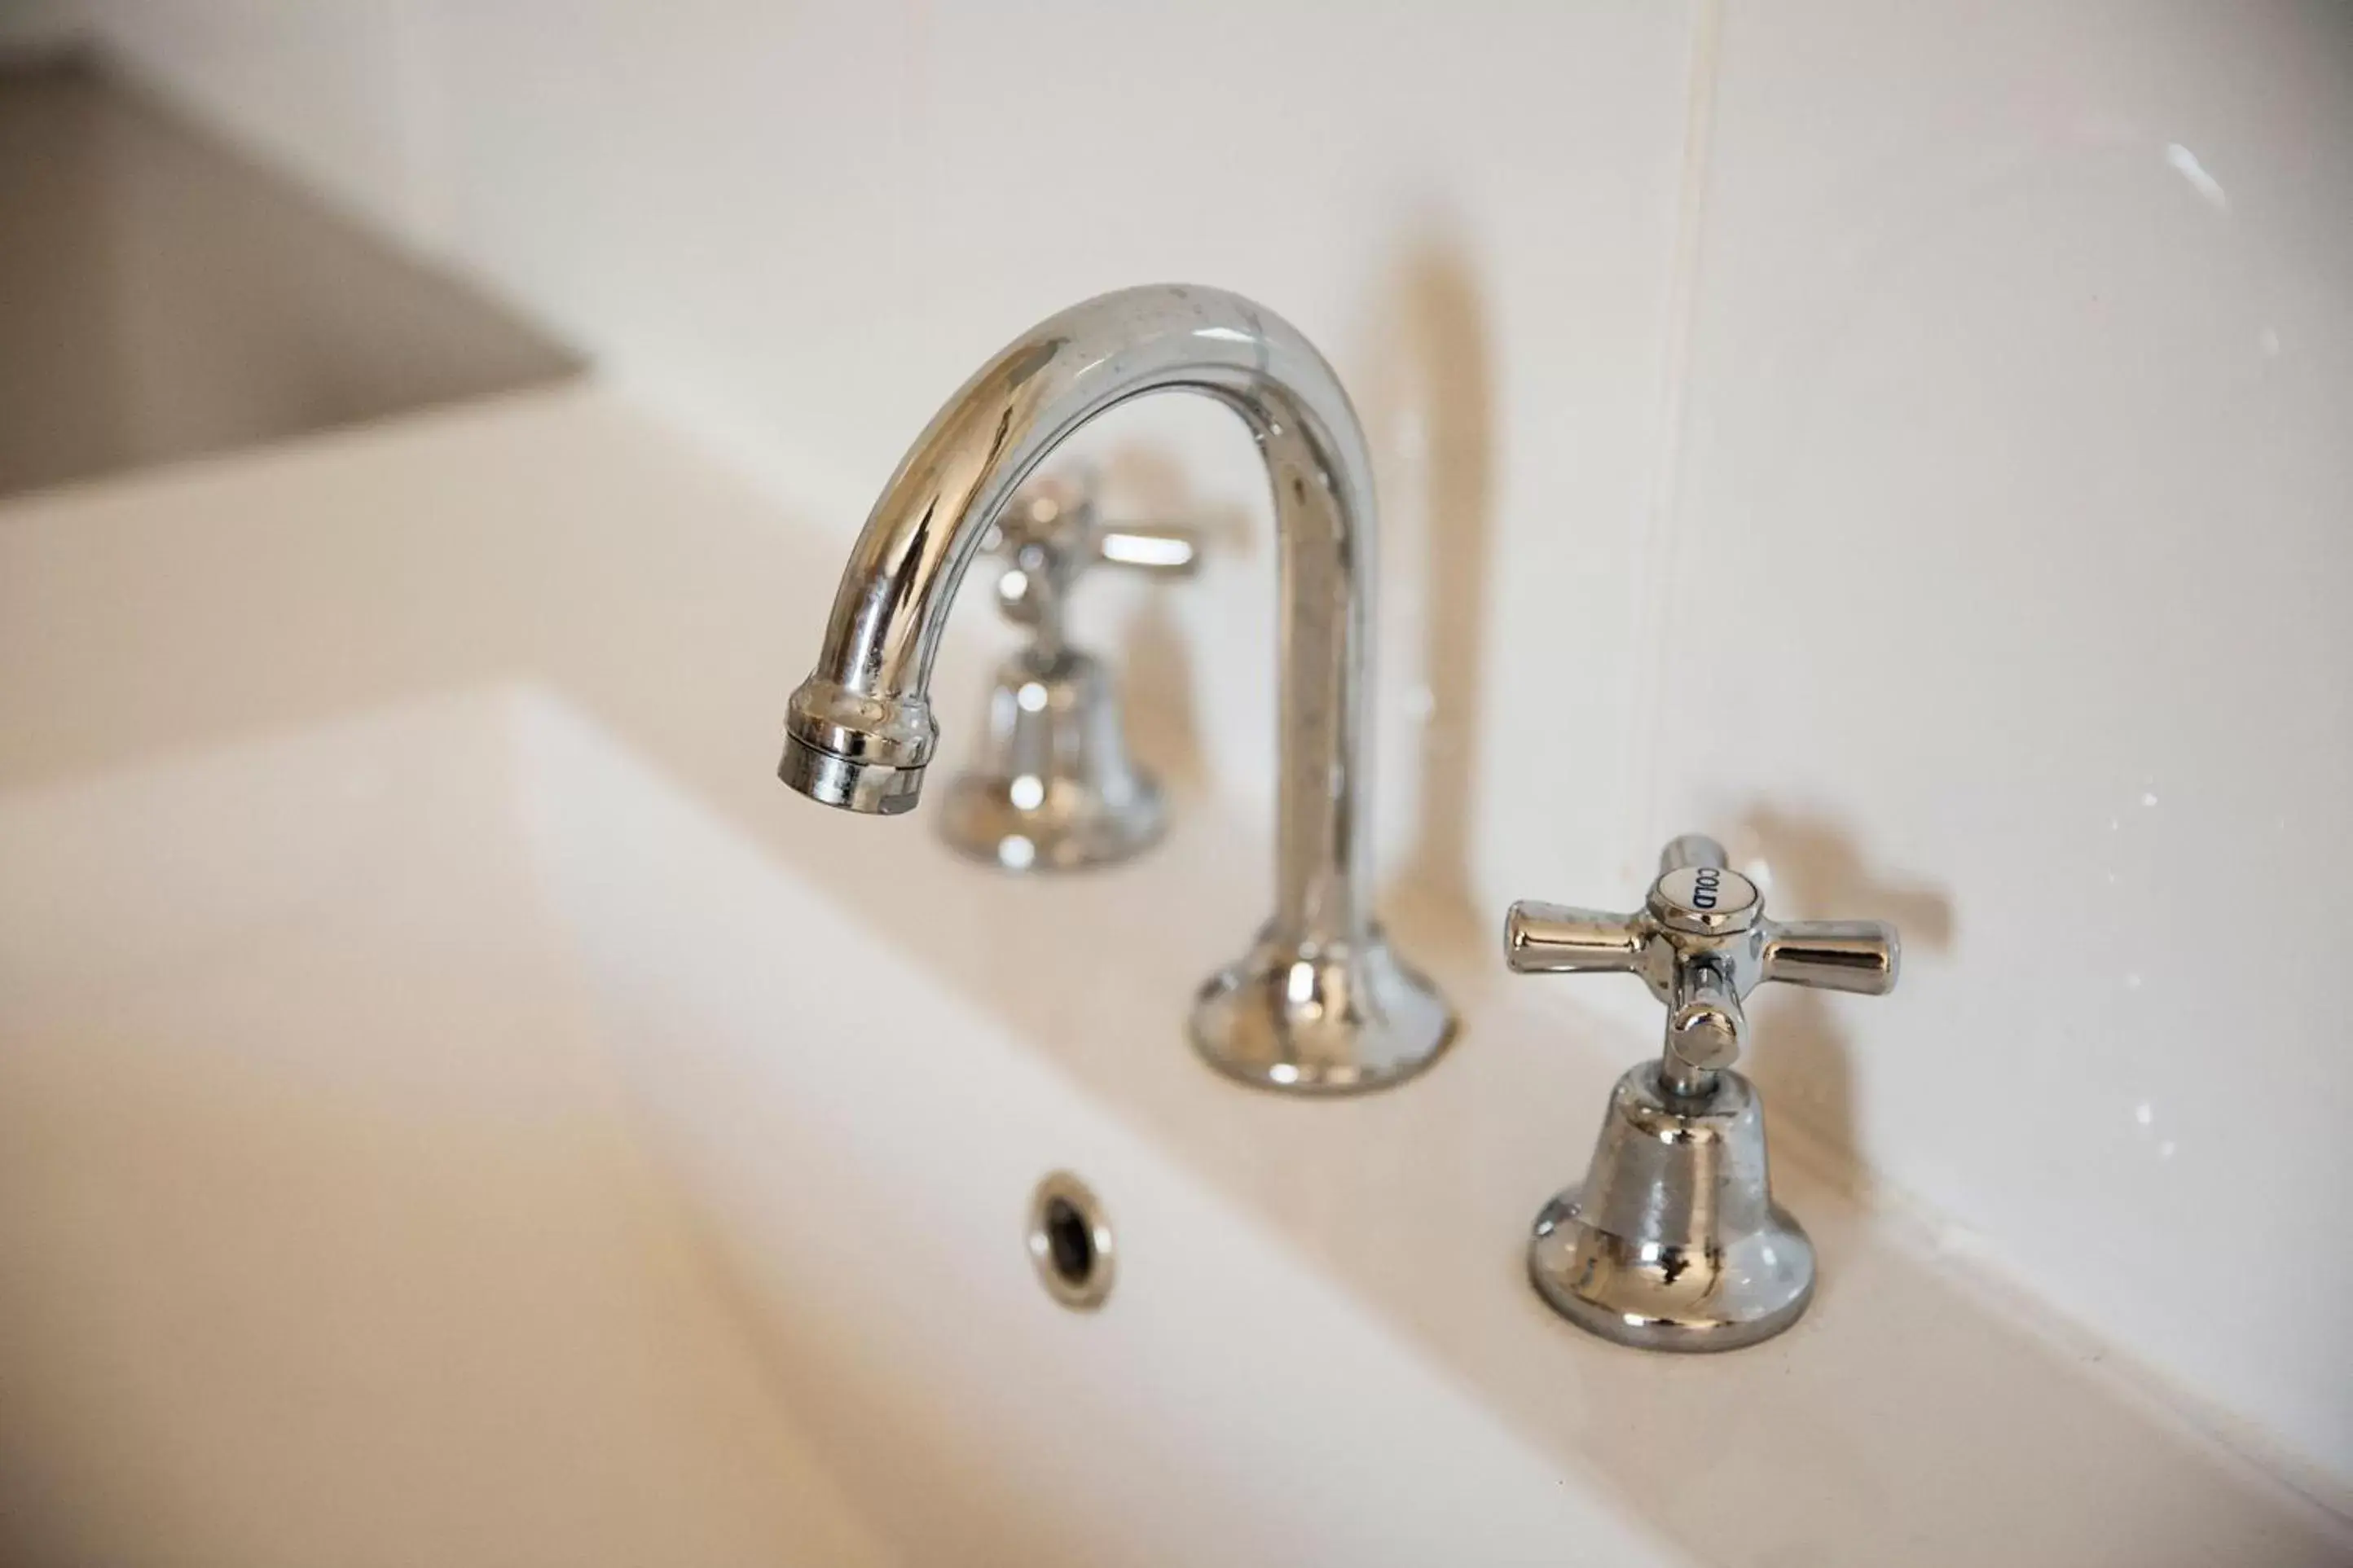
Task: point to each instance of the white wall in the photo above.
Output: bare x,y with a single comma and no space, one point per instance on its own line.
1909,441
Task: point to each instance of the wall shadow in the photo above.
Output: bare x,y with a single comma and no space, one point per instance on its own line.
163,297
1802,1062
1429,416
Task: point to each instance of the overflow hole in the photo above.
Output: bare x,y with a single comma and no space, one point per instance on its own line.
1071,1242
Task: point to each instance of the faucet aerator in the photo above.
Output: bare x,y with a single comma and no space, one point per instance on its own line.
868,789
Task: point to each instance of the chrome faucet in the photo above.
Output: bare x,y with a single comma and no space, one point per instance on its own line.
1320,1004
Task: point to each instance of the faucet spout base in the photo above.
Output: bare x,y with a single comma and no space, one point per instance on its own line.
1321,1018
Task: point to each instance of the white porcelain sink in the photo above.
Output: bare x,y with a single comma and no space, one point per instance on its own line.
432,1139
456,1106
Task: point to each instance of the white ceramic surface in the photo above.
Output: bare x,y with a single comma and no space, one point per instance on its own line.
450,1083
2015,459
1906,441
415,1151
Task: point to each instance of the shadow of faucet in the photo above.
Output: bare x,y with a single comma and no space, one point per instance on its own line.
1431,419
1811,870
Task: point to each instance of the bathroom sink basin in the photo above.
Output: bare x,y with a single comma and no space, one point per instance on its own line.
457,1107
433,1137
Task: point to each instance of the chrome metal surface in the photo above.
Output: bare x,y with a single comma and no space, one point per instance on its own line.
1071,1242
1320,1017
1701,943
1320,1004
1052,787
1674,1241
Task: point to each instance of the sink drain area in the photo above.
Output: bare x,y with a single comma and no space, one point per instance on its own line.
1071,1242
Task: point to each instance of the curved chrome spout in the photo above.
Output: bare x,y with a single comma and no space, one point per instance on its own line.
1321,1004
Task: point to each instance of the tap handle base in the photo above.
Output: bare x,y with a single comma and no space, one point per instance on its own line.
1672,1241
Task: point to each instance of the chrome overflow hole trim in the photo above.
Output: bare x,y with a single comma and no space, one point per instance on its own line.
1071,1242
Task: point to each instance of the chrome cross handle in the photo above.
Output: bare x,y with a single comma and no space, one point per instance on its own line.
1701,943
1672,1241
1052,531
